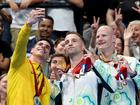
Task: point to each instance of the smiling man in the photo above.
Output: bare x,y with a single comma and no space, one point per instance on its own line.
45,28
125,69
27,84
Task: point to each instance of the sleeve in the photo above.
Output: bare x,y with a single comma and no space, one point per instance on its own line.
137,77
55,89
19,54
104,72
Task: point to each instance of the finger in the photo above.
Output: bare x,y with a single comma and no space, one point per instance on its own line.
135,9
94,19
116,12
119,11
98,20
87,51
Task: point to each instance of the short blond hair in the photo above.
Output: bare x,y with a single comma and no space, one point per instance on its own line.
135,22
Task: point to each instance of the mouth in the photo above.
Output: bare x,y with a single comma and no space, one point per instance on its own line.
101,43
70,48
41,50
44,34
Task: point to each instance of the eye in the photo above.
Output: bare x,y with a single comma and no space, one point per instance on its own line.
40,44
67,41
97,37
47,47
54,62
74,40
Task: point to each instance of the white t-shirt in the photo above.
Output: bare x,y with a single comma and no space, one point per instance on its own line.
63,19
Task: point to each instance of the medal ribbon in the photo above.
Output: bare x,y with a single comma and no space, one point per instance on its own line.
38,91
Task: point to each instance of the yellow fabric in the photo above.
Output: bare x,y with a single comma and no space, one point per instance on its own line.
21,85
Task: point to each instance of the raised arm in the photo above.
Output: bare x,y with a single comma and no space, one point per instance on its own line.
19,54
94,28
109,16
127,40
77,3
26,3
13,5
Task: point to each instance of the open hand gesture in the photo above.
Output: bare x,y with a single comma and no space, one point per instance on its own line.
137,8
128,33
35,15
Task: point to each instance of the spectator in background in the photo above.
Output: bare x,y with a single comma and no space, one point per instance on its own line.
5,52
19,15
16,5
129,14
64,18
45,28
132,39
59,46
7,20
119,45
37,90
58,66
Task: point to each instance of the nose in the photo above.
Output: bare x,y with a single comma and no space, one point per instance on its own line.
70,42
45,28
43,46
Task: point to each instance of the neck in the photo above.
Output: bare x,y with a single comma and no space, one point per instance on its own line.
38,60
74,60
107,55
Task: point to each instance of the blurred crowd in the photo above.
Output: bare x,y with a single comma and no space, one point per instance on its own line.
84,54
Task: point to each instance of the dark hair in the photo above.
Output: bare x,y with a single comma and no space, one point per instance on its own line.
58,41
51,44
60,55
46,17
122,41
80,36
2,23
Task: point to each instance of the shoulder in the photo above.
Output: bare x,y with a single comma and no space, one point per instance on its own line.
32,37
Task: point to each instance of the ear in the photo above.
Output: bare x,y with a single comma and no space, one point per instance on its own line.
32,50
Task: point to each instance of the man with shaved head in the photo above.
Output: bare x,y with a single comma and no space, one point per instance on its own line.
125,69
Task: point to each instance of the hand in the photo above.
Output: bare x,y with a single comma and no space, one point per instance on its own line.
25,3
3,87
91,55
54,75
95,24
137,8
118,16
35,15
128,33
13,5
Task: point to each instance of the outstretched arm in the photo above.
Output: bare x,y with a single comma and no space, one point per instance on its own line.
19,54
77,3
94,28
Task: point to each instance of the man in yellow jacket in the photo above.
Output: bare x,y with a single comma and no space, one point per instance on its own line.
27,84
